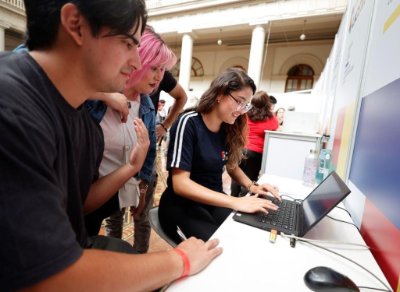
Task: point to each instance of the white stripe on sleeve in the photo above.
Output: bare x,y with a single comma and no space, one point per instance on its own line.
179,138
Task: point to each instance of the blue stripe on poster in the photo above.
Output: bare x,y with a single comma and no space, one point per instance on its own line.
375,167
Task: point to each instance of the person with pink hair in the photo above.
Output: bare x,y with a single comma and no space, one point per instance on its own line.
119,138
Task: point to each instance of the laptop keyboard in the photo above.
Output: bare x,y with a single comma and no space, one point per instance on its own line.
283,217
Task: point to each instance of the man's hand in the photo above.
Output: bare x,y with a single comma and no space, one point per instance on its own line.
160,132
118,102
139,153
200,254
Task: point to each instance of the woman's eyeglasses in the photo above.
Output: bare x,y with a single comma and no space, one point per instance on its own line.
245,107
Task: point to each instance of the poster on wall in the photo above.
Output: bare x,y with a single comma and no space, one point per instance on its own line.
384,49
349,80
339,43
331,89
324,94
374,175
317,92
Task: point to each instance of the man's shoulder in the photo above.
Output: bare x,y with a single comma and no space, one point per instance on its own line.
13,62
17,70
23,90
6,57
9,67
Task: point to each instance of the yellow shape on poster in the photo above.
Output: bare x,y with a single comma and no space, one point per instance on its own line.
398,286
345,140
392,19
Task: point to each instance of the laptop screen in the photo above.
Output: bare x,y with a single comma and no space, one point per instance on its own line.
322,200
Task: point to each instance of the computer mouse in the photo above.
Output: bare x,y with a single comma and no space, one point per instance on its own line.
327,280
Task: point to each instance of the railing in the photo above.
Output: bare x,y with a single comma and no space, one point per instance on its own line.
17,3
151,4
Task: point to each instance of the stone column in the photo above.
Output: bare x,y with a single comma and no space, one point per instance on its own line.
256,54
2,38
186,61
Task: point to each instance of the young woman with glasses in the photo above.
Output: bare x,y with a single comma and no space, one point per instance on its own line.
204,139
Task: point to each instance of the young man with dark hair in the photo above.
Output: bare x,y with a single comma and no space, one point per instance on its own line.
50,150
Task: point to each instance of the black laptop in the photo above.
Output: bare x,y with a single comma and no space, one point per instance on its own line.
298,218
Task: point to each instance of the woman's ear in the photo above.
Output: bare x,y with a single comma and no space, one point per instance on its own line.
219,98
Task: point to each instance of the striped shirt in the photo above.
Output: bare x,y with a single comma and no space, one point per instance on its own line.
194,148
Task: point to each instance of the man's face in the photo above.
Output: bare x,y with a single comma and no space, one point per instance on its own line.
109,60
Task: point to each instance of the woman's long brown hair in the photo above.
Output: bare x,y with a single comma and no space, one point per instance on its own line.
230,80
261,107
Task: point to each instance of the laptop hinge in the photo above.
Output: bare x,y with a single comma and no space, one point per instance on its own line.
298,217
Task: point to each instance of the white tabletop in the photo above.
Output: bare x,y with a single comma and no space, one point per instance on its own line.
249,262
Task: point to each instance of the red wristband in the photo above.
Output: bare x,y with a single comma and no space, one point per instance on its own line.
186,262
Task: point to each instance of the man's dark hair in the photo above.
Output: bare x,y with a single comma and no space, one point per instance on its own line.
43,18
162,101
272,99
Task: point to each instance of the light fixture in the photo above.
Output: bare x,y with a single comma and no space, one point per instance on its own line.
303,36
219,42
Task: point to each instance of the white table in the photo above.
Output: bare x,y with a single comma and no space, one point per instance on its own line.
250,262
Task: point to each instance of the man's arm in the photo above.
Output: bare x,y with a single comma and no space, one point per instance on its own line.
179,94
98,270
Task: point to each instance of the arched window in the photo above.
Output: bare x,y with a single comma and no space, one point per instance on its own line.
300,77
240,67
197,68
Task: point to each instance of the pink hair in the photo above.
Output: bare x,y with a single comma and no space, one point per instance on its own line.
153,52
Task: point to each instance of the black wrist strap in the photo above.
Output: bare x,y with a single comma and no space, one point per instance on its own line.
165,128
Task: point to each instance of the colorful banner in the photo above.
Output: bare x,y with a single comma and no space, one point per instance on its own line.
375,160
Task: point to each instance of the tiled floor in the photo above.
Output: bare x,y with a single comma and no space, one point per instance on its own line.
156,242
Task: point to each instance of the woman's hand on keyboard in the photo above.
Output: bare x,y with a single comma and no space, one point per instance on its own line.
253,204
264,189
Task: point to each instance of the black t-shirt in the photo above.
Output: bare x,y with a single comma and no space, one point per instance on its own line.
194,148
49,157
167,84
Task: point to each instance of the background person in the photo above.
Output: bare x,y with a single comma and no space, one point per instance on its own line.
273,102
280,114
161,115
203,140
259,119
175,90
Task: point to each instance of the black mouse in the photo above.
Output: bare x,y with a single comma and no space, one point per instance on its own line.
327,280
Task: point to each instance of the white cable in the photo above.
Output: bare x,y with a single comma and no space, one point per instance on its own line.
323,241
324,248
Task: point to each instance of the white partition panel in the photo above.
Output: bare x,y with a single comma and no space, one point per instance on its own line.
284,153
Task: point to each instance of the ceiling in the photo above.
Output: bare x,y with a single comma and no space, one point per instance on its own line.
322,27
